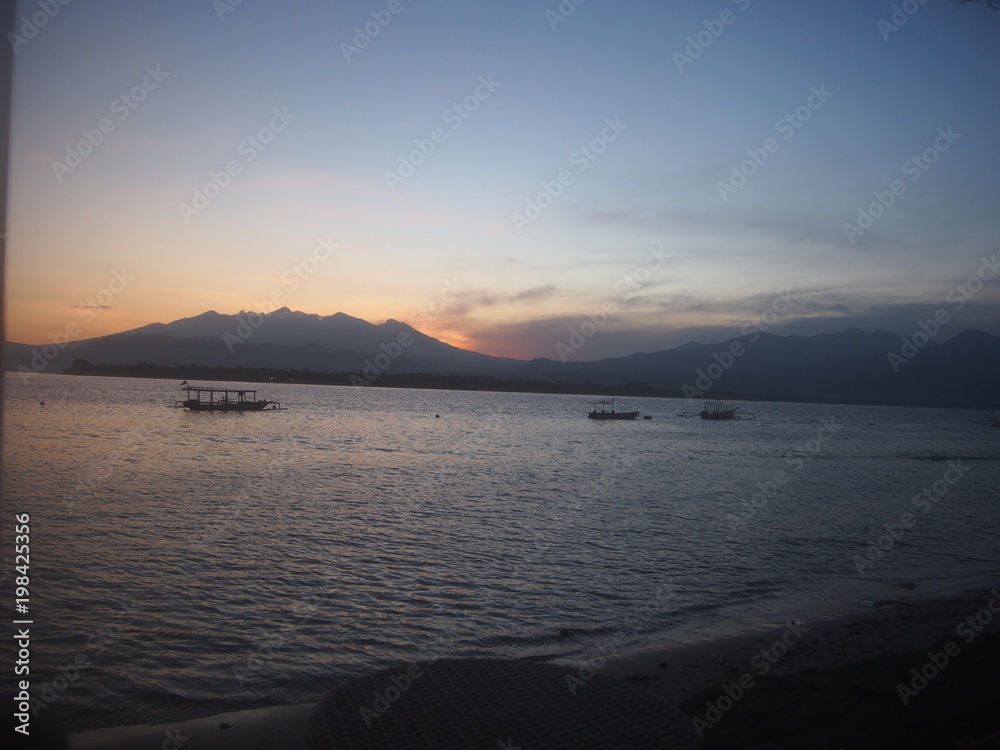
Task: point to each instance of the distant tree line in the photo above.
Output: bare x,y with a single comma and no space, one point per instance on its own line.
434,381
385,380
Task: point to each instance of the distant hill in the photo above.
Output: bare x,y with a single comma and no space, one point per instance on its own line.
847,367
282,339
309,337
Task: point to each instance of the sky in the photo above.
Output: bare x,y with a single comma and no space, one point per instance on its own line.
575,179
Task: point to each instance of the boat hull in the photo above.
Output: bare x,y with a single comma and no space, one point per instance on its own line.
195,405
613,415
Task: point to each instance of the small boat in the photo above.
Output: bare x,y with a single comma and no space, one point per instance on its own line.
214,398
607,411
723,410
718,410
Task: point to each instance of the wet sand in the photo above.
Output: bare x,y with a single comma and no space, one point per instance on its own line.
915,674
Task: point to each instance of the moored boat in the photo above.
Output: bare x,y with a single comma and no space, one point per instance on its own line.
607,411
214,398
718,410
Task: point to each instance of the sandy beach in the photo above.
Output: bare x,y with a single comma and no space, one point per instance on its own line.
910,673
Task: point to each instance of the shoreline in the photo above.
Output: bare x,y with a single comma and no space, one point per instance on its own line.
500,384
729,685
898,626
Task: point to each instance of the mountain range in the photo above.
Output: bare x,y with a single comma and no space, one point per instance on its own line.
847,367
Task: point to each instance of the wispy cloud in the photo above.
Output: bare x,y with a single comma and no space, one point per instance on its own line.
535,293
671,322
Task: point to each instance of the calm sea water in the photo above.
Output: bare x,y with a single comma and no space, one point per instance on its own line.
191,563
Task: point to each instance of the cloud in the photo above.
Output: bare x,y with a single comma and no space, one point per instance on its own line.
670,322
535,293
476,299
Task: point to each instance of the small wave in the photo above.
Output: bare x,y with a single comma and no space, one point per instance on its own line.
938,457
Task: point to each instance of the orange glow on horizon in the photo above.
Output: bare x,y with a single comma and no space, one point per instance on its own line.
446,336
472,343
76,324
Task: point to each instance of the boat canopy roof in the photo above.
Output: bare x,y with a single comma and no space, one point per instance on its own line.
215,389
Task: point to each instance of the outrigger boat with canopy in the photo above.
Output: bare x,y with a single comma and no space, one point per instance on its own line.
214,398
719,410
